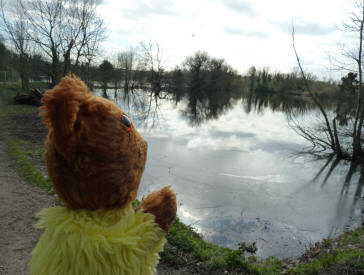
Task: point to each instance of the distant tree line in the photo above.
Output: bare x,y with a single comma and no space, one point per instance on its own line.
262,81
10,62
54,37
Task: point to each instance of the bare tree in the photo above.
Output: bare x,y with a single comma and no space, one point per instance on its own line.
44,18
333,140
128,64
152,63
333,136
84,33
86,54
14,26
63,30
356,25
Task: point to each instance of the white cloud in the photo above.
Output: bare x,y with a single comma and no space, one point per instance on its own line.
240,6
245,32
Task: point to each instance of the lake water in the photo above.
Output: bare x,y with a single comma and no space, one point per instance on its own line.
240,177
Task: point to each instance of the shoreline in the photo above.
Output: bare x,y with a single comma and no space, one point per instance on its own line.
185,251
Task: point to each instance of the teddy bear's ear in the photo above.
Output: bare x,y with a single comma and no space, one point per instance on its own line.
60,109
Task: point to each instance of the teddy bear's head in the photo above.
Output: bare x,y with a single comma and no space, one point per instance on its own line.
95,157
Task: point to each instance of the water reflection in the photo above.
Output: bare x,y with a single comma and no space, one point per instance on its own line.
201,102
143,106
258,102
348,183
200,110
237,178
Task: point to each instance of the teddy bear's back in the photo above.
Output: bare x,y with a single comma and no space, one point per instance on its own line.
96,242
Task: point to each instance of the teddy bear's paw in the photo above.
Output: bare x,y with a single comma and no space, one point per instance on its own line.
162,204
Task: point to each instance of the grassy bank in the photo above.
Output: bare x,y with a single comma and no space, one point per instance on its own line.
24,167
24,134
185,246
342,255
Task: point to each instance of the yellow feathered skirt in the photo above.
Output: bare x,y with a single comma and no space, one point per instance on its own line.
101,242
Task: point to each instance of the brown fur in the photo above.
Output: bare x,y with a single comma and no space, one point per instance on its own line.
162,204
93,161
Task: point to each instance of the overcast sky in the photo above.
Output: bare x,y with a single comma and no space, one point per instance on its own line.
244,32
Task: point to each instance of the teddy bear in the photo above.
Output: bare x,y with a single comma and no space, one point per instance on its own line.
95,158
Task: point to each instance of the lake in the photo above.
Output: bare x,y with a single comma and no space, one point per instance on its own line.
239,176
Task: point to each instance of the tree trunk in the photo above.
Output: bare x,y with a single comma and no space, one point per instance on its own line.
67,60
55,74
67,64
339,152
24,81
357,150
313,96
24,72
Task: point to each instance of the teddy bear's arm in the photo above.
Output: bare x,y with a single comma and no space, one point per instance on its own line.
162,204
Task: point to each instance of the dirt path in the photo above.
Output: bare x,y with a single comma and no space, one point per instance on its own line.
19,202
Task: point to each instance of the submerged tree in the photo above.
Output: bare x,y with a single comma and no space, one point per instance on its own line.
127,63
152,66
346,141
107,72
356,25
209,86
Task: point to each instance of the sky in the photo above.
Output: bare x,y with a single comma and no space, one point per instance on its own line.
243,32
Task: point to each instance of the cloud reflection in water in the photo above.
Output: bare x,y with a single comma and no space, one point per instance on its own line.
237,179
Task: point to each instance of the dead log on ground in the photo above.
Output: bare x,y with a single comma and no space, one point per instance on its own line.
33,97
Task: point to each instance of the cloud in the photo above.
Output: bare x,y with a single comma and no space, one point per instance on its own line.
146,10
96,2
238,31
307,28
276,146
314,29
239,6
123,32
239,134
233,30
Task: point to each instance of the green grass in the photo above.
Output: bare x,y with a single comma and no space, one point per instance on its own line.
347,257
9,108
28,155
344,253
352,238
183,238
17,85
25,168
326,243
